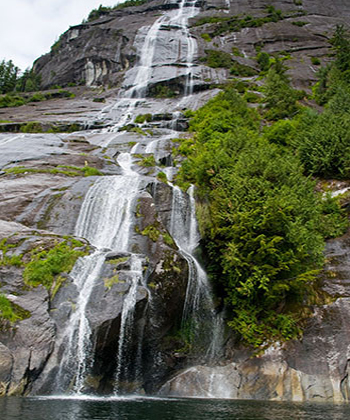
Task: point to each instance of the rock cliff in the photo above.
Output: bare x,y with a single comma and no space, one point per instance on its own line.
43,193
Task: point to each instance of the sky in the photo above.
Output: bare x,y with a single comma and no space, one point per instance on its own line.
28,28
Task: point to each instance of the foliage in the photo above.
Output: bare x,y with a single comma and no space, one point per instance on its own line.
28,82
263,60
130,3
237,23
299,23
147,161
46,266
7,311
5,259
32,127
142,118
60,169
162,91
280,96
238,69
100,11
8,76
161,176
152,232
337,74
206,37
323,142
11,100
315,61
217,58
263,226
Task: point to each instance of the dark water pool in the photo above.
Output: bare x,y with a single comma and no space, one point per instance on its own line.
85,408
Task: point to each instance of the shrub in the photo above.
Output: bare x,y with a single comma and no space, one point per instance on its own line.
206,37
263,60
263,226
32,127
217,59
142,118
315,61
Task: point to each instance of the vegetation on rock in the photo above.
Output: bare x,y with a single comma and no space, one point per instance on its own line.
262,222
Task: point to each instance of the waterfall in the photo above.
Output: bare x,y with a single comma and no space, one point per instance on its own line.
199,313
105,220
127,319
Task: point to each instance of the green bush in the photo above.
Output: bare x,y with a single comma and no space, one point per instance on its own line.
263,226
238,69
323,144
216,59
263,60
11,100
280,97
206,37
315,61
142,118
32,127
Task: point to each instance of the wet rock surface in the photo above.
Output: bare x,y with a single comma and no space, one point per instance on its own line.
312,369
102,53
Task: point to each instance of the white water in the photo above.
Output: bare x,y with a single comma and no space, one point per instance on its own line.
141,75
127,319
105,218
199,310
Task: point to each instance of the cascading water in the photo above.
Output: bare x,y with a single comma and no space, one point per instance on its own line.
199,315
105,220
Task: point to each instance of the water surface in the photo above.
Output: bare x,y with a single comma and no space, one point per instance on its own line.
86,408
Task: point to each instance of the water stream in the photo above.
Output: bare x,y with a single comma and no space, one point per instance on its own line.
199,319
106,218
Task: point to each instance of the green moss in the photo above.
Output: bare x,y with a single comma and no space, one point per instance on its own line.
64,170
236,52
147,161
299,23
142,118
206,37
32,127
110,281
6,260
169,263
9,312
152,232
315,61
167,238
47,266
161,176
117,261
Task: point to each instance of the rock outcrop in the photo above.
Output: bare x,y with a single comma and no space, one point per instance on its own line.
45,177
312,369
99,52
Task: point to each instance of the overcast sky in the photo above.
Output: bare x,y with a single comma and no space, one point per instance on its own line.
28,28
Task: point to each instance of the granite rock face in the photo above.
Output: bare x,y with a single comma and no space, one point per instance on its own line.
99,52
316,368
40,203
